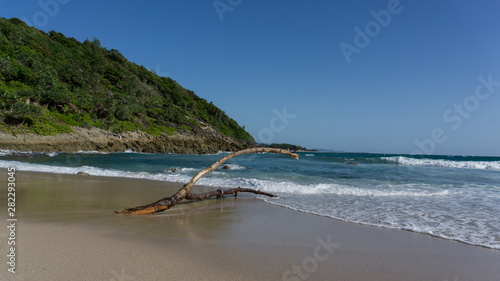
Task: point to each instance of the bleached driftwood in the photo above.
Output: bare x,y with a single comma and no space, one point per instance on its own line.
184,192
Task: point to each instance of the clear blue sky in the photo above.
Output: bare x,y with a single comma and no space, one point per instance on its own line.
415,78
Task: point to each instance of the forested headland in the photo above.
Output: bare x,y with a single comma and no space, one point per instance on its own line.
51,84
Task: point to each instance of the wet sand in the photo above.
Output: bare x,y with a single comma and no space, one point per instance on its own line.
66,230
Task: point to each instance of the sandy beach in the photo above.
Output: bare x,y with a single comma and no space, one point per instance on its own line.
66,230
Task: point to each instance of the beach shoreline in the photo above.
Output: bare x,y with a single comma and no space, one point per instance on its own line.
66,230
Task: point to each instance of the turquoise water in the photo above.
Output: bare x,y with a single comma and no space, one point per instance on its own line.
453,197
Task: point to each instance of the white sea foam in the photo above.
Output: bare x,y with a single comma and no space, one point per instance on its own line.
285,188
480,165
6,152
91,152
180,170
233,167
437,209
22,166
184,174
435,215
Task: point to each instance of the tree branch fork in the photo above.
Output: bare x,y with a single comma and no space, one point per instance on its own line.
185,192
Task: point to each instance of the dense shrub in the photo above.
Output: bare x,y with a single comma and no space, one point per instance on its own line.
83,84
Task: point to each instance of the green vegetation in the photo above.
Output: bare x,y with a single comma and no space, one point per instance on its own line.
288,146
49,82
158,130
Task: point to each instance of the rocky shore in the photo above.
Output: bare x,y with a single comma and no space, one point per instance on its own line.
95,139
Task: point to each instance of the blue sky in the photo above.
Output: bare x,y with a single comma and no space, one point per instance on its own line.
406,83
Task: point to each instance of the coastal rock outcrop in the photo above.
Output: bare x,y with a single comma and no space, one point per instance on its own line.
95,139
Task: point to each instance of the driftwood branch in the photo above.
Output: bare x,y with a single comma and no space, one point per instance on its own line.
184,192
220,193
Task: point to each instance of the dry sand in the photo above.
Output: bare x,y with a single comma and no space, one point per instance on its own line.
66,230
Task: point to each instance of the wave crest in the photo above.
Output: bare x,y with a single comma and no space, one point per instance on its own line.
478,165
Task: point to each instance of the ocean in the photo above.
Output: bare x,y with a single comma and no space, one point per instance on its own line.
452,197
